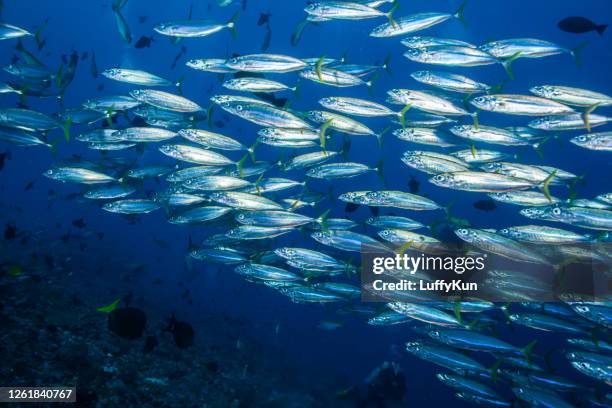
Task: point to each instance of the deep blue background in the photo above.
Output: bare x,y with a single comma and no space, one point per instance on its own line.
352,351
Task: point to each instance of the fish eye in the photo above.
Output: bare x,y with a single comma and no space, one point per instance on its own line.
556,211
582,138
439,177
462,231
239,108
504,231
234,60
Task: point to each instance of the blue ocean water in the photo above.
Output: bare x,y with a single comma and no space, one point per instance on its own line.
340,357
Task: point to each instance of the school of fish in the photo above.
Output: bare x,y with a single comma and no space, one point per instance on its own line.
208,178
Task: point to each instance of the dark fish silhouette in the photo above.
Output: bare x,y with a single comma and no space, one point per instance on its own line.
413,184
29,186
580,25
142,19
264,18
268,37
182,332
80,223
485,205
3,157
143,42
127,322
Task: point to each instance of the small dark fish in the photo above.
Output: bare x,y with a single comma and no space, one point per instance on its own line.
84,56
485,205
127,322
100,88
580,25
267,38
10,231
29,186
351,207
182,332
150,343
414,185
142,19
3,157
374,211
143,42
264,18
80,223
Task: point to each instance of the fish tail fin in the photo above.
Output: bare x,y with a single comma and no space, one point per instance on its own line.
66,128
457,310
466,100
318,67
528,349
586,116
179,84
448,208
251,150
297,34
601,28
322,219
402,115
389,14
240,164
576,52
475,118
546,184
507,64
231,24
209,113
459,14
258,182
379,136
322,131
386,65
